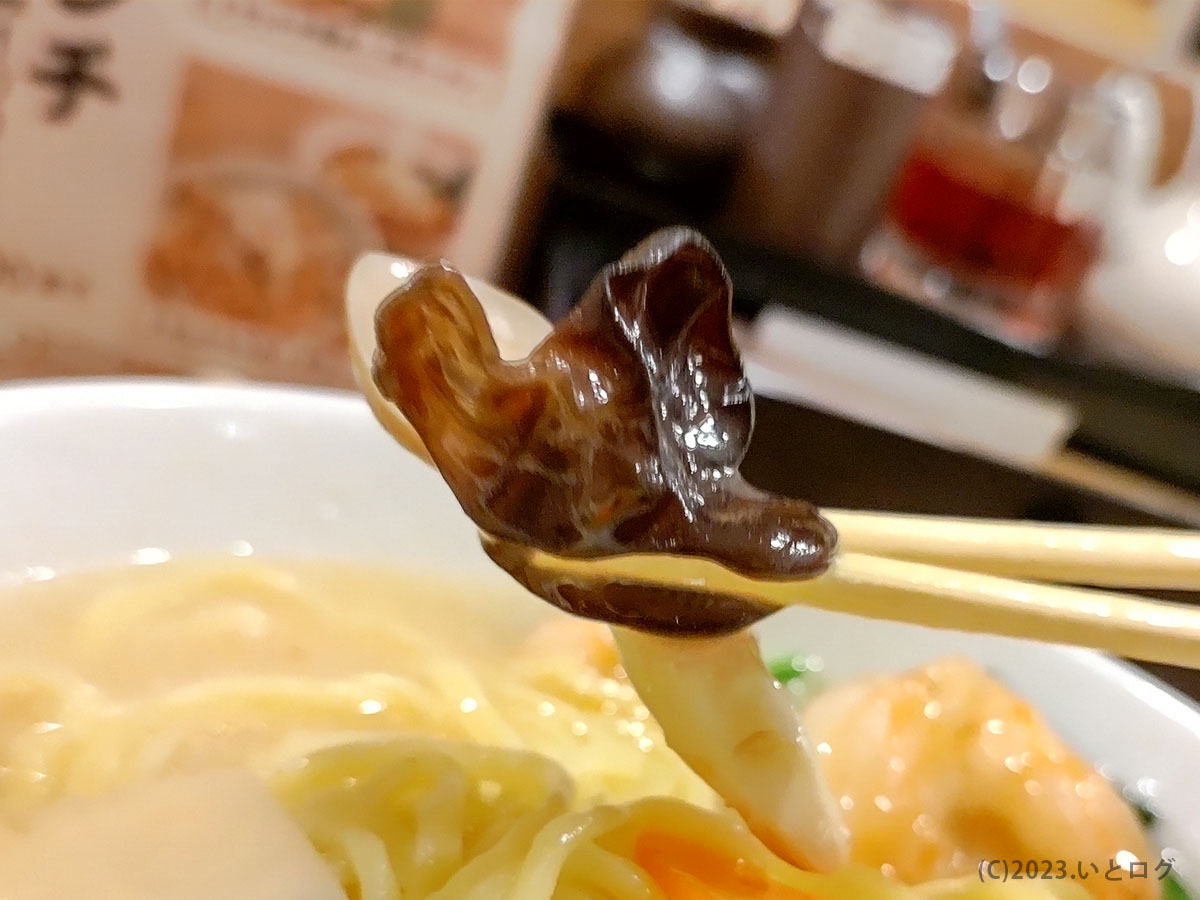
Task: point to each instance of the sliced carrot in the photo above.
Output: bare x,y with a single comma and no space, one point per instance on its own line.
686,870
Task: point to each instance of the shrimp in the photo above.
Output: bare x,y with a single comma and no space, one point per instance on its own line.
941,767
728,719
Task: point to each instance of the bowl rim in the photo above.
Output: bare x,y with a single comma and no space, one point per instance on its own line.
57,394
35,398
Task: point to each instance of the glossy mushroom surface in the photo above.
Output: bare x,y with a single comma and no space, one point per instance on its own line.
622,432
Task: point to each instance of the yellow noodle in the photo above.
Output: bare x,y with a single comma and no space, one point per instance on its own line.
423,747
214,712
525,842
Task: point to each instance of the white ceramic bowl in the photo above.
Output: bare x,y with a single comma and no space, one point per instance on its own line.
106,472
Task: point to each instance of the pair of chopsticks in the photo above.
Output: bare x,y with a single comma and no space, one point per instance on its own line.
1049,560
951,574
1020,579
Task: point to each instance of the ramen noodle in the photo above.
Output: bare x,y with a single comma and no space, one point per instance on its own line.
419,758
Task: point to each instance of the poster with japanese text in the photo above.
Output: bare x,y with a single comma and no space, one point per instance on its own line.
185,183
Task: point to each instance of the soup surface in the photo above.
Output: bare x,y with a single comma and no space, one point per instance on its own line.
415,735
112,676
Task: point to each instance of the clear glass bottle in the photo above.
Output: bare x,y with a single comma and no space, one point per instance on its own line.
992,218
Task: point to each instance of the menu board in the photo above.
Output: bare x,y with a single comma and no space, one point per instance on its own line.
185,183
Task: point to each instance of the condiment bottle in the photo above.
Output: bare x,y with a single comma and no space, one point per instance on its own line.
852,81
673,105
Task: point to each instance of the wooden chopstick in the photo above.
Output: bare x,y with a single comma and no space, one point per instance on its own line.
1099,556
916,593
1147,630
1133,489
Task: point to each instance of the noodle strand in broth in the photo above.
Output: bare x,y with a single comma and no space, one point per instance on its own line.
128,683
422,759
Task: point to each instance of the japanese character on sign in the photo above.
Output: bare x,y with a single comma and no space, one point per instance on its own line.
87,6
74,67
73,73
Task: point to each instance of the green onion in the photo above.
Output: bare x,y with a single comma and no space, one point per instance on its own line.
799,673
1145,814
788,669
1173,888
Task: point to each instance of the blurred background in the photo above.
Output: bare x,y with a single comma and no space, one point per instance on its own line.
964,236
